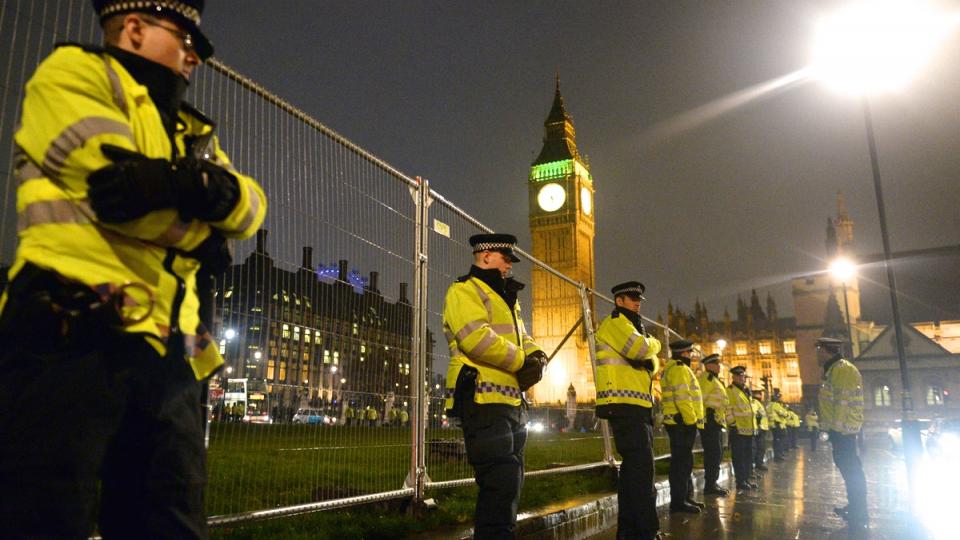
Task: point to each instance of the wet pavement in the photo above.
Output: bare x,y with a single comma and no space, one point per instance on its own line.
796,500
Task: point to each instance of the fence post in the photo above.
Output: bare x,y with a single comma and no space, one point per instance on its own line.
592,348
417,477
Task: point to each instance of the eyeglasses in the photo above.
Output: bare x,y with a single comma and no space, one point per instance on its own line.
186,40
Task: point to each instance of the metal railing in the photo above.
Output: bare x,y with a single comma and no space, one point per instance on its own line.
343,366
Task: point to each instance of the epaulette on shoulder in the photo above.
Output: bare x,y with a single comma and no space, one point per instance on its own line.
197,113
88,47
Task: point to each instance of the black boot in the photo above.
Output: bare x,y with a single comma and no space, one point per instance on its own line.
714,490
699,505
685,508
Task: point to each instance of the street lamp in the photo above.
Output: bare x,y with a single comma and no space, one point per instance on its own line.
843,270
871,47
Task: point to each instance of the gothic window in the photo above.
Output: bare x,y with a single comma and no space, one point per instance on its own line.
741,348
881,395
765,347
790,346
934,395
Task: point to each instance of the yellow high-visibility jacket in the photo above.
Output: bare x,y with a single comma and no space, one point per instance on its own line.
740,414
841,398
76,101
811,421
714,396
759,411
793,419
484,333
778,414
681,393
619,342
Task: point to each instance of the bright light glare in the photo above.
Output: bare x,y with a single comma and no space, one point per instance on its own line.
230,333
843,269
877,46
721,344
936,481
556,373
536,427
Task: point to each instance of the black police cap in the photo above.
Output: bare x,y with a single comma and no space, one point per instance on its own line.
186,13
634,289
504,243
711,359
681,345
739,370
830,344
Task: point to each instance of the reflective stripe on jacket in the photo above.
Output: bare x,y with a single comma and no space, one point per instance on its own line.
681,393
76,101
811,421
758,410
714,396
483,332
841,398
740,412
619,342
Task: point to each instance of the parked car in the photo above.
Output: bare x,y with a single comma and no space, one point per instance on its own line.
943,437
895,434
308,416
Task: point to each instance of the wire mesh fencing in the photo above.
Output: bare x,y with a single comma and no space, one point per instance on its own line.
331,318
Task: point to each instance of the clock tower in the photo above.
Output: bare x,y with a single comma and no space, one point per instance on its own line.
562,231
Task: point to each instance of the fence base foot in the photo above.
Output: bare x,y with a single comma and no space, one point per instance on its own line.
422,508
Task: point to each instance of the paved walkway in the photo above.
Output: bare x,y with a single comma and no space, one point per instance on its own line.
796,501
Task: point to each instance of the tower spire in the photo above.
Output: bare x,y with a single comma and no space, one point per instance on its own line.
560,137
843,223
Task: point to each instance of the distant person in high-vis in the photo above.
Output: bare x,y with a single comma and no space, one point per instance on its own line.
682,416
742,424
812,423
841,415
778,417
763,428
124,196
626,362
715,420
492,362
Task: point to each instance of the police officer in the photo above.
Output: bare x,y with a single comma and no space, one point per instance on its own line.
777,415
626,362
812,423
492,361
793,424
742,423
841,413
763,428
682,416
715,420
124,195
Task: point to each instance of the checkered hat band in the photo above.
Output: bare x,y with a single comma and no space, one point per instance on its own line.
625,393
186,11
491,246
509,391
628,290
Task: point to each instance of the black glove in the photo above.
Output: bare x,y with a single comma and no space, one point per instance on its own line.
135,185
678,418
532,370
646,364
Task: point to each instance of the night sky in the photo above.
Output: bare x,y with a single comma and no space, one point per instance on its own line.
457,92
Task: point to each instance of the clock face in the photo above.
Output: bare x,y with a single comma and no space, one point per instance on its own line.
551,197
586,201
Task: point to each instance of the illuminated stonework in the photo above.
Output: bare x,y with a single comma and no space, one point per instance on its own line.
562,236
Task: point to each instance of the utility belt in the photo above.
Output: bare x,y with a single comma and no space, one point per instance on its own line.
46,312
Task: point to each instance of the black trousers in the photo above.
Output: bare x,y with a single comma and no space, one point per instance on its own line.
494,436
632,428
759,447
792,437
779,442
741,448
681,462
847,459
108,409
711,440
814,435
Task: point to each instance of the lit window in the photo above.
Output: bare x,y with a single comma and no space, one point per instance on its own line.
790,346
336,357
326,356
355,329
741,349
765,347
934,396
881,396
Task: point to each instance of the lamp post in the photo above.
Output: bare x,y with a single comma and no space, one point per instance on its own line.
870,47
